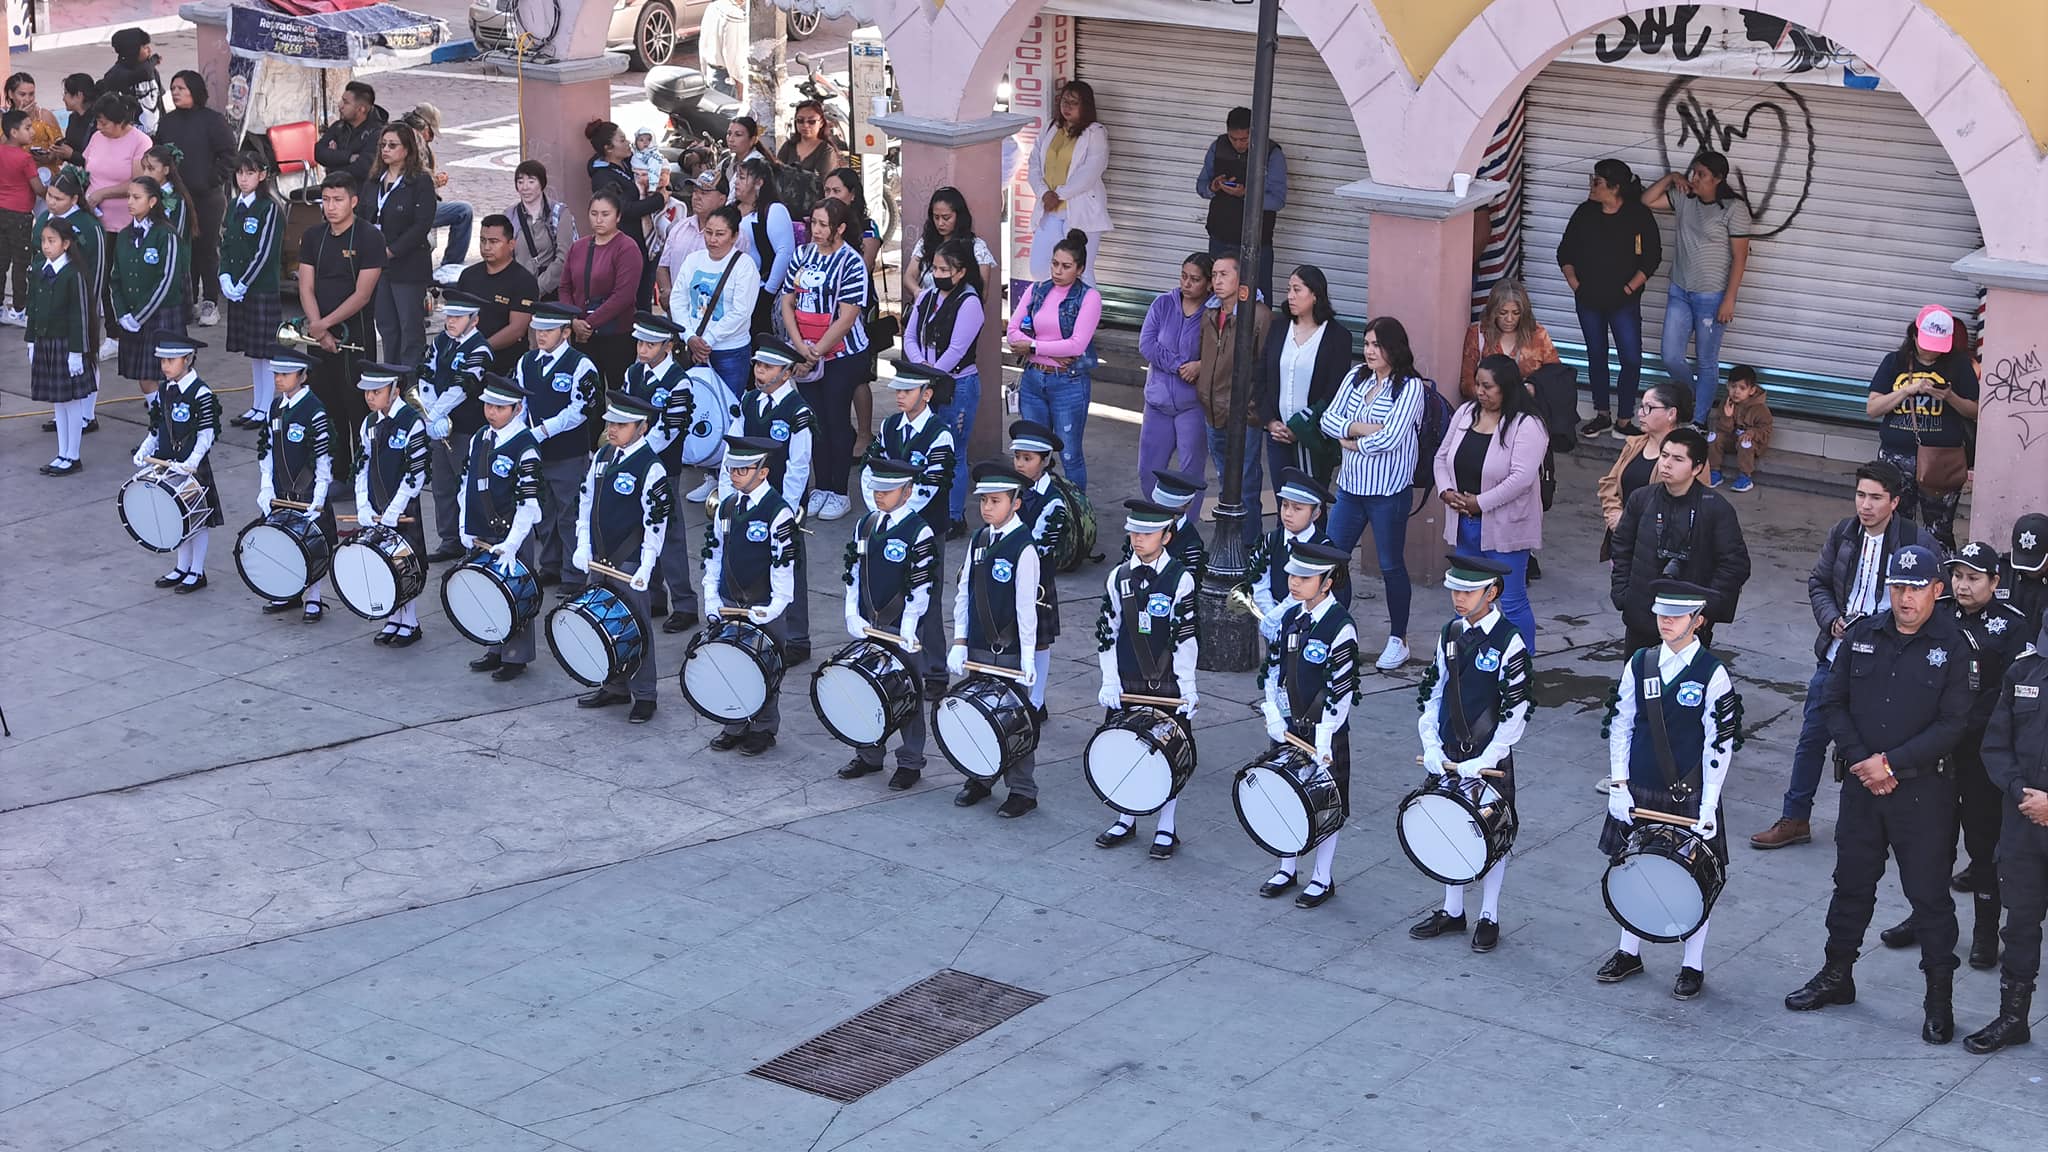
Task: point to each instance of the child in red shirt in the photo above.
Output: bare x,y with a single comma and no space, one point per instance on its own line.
20,189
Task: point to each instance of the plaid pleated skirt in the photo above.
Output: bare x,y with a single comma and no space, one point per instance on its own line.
252,324
138,359
49,376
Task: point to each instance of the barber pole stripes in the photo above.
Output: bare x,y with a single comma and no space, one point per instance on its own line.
1502,258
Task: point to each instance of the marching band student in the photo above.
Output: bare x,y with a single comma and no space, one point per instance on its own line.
1179,491
1475,706
295,461
750,562
1311,679
915,433
995,621
560,384
251,260
1146,642
657,377
63,366
148,294
451,377
1302,501
891,576
61,201
501,507
775,411
620,523
1698,713
1032,446
391,472
182,429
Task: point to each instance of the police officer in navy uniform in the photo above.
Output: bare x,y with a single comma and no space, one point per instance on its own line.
1302,502
1045,512
561,385
295,462
657,377
451,378
1898,700
2028,589
1475,706
501,498
995,615
2016,761
620,523
1671,730
1146,643
750,562
916,434
774,410
891,581
1311,681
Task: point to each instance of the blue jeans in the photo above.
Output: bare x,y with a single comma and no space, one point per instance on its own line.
1695,317
1514,595
457,217
1059,400
735,366
1811,752
959,416
1625,324
1219,445
1388,516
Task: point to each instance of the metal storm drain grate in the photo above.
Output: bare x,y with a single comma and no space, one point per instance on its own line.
908,1030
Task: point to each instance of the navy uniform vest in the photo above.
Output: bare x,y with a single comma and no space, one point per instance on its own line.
1683,705
1150,619
492,494
992,593
1188,548
297,437
659,391
1309,658
1033,508
547,396
1277,548
390,457
618,519
778,422
748,550
917,450
887,559
448,359
1472,679
179,417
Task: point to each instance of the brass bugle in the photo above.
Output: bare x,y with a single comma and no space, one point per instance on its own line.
289,332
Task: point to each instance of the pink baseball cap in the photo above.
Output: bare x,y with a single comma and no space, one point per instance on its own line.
1936,327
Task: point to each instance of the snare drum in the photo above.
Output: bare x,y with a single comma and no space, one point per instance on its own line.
984,725
1287,801
865,693
1663,883
731,672
162,507
1138,760
283,554
1456,829
377,571
595,637
487,605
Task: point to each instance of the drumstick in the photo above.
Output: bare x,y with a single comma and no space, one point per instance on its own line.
994,670
280,502
733,613
1661,817
178,464
1493,773
352,519
1153,701
600,568
903,642
1304,745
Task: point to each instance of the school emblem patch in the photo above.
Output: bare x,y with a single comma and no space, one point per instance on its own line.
1488,660
895,551
249,225
757,531
1315,652
624,483
1159,604
181,412
779,430
660,398
1002,571
151,256
397,440
564,381
1691,693
295,433
501,466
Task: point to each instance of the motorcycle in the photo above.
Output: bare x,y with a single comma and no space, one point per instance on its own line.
698,114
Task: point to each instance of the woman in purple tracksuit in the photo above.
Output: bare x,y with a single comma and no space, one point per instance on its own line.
1174,428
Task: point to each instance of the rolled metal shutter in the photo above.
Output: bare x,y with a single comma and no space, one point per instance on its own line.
1163,92
1866,217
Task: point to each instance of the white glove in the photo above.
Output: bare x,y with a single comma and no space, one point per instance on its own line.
141,458
1269,624
581,559
1619,804
185,466
712,607
1432,764
1187,705
392,515
956,660
856,626
262,504
504,560
1028,674
130,323
227,286
1276,728
640,580
75,361
1706,826
438,428
1110,697
1469,769
759,614
1323,752
468,541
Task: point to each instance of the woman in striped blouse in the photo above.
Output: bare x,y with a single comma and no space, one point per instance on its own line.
822,303
1377,415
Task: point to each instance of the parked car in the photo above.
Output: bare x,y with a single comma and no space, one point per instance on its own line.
648,30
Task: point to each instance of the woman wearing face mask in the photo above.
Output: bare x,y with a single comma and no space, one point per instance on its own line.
940,334
1712,248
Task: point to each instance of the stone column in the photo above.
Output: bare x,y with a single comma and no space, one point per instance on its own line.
557,101
966,155
2012,425
210,17
1428,237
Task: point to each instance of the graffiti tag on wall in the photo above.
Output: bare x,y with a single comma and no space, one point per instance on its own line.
2016,393
1767,136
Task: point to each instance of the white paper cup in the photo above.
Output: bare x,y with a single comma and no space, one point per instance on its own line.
1461,183
881,106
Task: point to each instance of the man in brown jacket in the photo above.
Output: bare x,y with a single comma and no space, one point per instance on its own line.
1218,372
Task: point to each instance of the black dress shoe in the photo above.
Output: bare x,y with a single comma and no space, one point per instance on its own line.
314,613
1312,898
1437,923
169,580
1833,984
903,779
1485,937
1689,983
92,425
488,662
679,622
276,606
406,638
1939,1027
1164,850
64,468
1272,888
1015,806
1619,967
756,743
604,697
857,768
726,741
1115,834
385,636
1965,881
1900,935
190,584
643,711
446,552
508,672
971,793
791,657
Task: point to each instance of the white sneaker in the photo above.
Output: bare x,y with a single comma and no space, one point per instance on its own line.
209,313
1393,655
13,317
702,492
815,504
109,348
835,506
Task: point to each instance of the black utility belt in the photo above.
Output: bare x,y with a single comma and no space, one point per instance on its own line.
1941,768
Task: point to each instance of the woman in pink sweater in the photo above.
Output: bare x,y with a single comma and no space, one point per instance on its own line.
1488,473
1054,328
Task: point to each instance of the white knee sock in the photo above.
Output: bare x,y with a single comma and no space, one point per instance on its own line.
1696,947
264,382
1454,899
1042,663
198,551
408,616
1166,816
92,405
71,420
1286,866
1325,853
1629,943
182,562
312,593
1489,892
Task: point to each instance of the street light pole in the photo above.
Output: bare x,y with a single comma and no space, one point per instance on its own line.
1230,637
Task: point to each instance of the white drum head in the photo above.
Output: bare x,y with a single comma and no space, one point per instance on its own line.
1444,838
580,645
272,562
1655,896
967,735
1273,811
155,515
365,581
724,681
851,704
479,605
1131,774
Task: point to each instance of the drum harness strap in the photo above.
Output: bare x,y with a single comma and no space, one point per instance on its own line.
984,539
1652,694
880,614
1321,698
1153,666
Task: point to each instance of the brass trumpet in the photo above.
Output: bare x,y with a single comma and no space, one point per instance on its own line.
293,334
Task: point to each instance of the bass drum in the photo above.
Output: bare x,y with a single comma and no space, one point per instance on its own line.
595,637
283,554
1457,829
1287,802
864,693
1138,760
731,672
487,605
1077,544
984,725
376,572
1663,884
712,412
